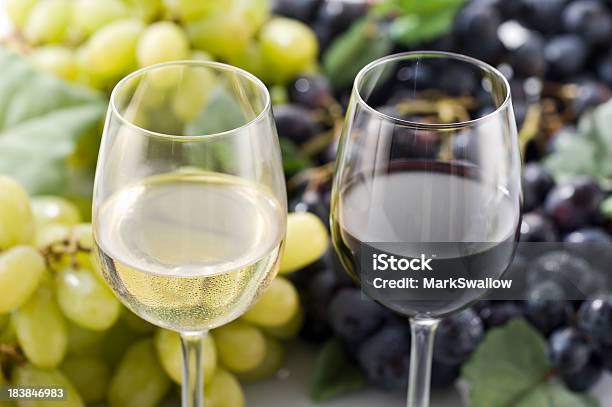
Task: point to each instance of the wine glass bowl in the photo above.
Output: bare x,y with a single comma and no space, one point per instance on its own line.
428,166
189,207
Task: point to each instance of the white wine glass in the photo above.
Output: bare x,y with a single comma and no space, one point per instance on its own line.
428,166
189,207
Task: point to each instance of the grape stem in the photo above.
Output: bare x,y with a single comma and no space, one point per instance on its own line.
530,127
66,247
10,355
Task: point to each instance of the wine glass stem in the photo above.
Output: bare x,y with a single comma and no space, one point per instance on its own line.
423,331
193,368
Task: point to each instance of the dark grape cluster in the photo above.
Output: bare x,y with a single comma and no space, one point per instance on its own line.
557,56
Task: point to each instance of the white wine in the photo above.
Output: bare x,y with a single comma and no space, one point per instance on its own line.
190,250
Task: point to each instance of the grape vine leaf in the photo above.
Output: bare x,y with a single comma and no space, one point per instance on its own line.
335,373
43,121
412,29
588,152
294,160
511,369
365,41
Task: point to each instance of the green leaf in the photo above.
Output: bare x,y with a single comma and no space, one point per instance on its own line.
510,368
589,152
293,160
42,122
606,207
429,7
364,42
411,29
222,113
335,374
508,364
552,394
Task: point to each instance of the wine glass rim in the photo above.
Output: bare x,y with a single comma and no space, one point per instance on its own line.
439,54
210,64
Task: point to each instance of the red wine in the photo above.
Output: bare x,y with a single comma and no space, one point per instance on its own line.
467,222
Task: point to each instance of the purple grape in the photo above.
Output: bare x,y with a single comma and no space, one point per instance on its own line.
303,10
528,59
568,350
295,123
590,94
595,318
573,205
475,29
443,375
573,274
458,336
385,357
353,317
537,182
585,378
500,312
535,227
589,19
566,55
543,15
546,309
312,91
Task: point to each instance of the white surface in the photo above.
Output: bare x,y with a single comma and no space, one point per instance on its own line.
290,388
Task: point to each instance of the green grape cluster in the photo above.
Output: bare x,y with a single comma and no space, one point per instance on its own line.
95,42
60,324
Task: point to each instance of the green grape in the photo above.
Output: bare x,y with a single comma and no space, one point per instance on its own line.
16,220
169,351
250,59
275,356
257,11
288,47
198,55
277,305
4,321
240,346
189,10
116,341
288,330
161,42
41,330
83,342
111,51
83,236
223,390
19,10
135,323
52,209
88,16
21,270
55,60
30,376
48,21
146,10
84,300
90,376
192,93
306,241
47,235
279,95
222,34
8,332
140,380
